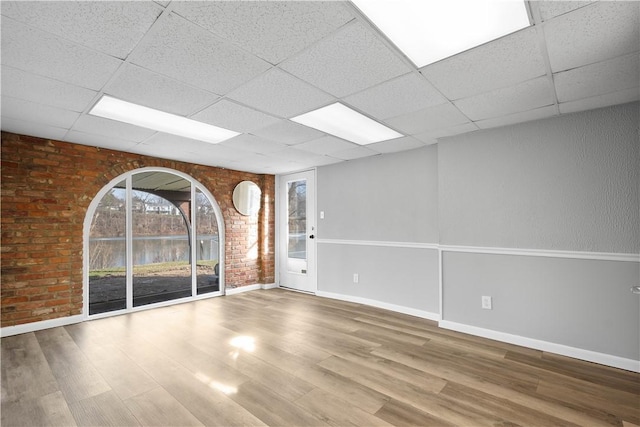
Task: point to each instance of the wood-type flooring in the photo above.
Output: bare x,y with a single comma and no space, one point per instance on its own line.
281,358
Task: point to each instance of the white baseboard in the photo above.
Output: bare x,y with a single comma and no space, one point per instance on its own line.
241,289
8,331
379,304
564,350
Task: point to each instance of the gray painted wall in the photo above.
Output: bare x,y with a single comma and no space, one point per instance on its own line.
407,277
567,183
580,303
390,198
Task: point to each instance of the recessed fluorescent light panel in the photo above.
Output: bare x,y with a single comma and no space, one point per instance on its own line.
343,122
427,31
123,111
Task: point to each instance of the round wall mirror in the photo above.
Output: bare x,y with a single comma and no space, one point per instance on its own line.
246,198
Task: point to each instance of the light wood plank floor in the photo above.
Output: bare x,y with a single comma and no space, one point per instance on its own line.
282,358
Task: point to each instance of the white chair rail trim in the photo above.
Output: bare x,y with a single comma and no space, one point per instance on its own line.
605,256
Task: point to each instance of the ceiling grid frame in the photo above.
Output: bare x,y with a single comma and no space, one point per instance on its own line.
266,126
537,19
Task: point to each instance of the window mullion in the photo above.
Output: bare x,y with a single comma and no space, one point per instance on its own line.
129,241
194,239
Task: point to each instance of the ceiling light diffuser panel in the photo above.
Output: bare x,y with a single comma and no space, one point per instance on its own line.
427,31
127,112
341,121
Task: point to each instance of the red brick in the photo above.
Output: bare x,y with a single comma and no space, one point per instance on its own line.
31,291
55,302
14,300
16,315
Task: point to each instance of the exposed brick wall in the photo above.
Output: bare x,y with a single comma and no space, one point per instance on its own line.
267,222
47,187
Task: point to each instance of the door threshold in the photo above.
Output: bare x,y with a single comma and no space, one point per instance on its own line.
296,290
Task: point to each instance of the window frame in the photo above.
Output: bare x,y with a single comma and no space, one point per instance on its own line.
128,178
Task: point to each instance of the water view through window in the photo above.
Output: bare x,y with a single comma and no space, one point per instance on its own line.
107,253
158,211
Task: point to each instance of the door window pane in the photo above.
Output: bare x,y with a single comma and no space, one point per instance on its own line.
107,253
207,246
297,226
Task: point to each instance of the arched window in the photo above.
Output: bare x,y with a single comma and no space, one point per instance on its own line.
152,236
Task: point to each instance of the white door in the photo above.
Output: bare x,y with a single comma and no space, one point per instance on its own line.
297,229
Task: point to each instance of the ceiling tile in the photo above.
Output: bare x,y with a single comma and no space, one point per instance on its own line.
110,27
550,9
214,154
108,142
229,115
522,97
37,113
180,156
395,145
43,90
354,153
295,155
429,119
289,133
325,145
281,94
448,131
143,87
604,30
260,163
402,95
272,30
166,142
525,116
253,161
184,51
606,100
426,139
321,161
348,61
43,53
504,62
599,78
206,153
32,129
253,144
111,128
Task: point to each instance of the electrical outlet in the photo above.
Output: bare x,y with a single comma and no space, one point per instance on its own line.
487,303
321,214
356,278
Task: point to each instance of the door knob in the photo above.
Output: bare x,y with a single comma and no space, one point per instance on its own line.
635,289
312,237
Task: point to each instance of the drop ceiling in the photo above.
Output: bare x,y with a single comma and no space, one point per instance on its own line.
250,66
